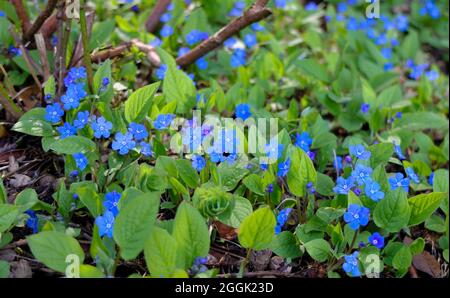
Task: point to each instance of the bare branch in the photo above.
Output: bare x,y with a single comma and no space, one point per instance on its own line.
257,12
153,20
28,35
40,45
22,14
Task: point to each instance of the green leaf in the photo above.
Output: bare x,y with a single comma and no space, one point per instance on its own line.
417,246
230,175
91,199
318,249
191,234
390,96
4,269
423,205
133,225
257,230
393,212
234,216
49,86
52,248
106,93
26,199
421,121
34,127
380,153
328,214
139,103
436,223
324,185
3,194
89,271
311,67
301,171
403,258
410,45
72,145
161,253
8,214
285,245
254,183
187,173
178,87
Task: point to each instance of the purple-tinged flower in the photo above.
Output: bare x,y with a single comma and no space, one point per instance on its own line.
398,180
373,191
357,216
105,224
269,188
81,161
123,143
343,186
237,10
376,240
101,128
280,3
66,130
111,202
53,113
351,264
166,17
156,42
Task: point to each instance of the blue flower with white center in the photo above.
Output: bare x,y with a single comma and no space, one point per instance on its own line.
311,6
226,141
343,186
398,180
66,130
283,168
101,128
32,221
359,151
70,100
274,150
163,121
160,73
53,113
304,141
196,36
432,75
238,58
165,17
362,174
230,42
257,27
243,111
81,120
357,216
81,161
351,265
105,224
250,40
412,175
373,191
282,218
365,107
201,63
376,240
111,202
138,131
402,23
342,7
198,162
215,157
166,31
123,143
77,73
146,149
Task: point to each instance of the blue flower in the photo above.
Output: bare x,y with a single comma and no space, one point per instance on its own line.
215,157
365,107
14,51
77,73
398,180
146,149
74,94
166,17
402,23
412,175
163,121
311,6
230,42
166,31
105,81
342,7
237,10
283,168
250,40
53,113
431,179
101,128
280,3
387,53
274,150
359,151
195,36
257,27
81,120
373,191
352,24
432,75
111,202
2,13
80,160
282,218
357,216
105,224
344,185
231,158
138,131
123,143
304,141
243,111
388,66
376,240
198,162
431,9
66,130
32,221
398,151
182,51
362,174
201,63
160,73
156,42
338,164
238,58
351,264
226,141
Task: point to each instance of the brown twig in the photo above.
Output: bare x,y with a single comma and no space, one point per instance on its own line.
40,45
9,104
28,35
154,19
257,12
59,48
22,14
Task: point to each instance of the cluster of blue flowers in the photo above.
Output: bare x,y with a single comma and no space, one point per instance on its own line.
282,218
105,222
304,141
416,71
431,9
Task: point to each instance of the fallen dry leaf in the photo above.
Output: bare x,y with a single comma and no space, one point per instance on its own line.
427,263
19,180
225,231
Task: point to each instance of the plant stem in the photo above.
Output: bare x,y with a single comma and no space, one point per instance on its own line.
353,240
84,40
